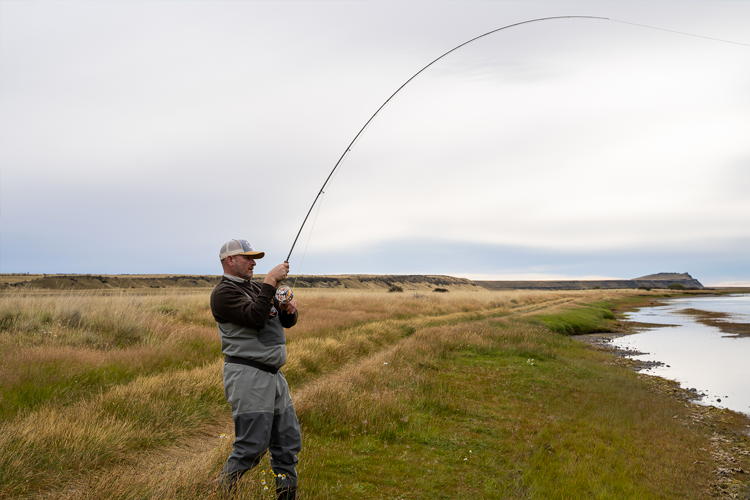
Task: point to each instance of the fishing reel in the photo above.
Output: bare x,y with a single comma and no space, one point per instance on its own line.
284,294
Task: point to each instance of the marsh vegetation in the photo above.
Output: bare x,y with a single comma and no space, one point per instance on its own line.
444,395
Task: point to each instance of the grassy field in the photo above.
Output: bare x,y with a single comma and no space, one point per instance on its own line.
399,395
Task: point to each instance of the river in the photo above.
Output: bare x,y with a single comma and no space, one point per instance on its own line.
704,344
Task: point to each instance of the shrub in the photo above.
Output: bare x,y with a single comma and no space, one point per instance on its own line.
395,288
676,286
647,288
443,290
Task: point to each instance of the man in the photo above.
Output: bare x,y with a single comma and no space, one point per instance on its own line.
251,323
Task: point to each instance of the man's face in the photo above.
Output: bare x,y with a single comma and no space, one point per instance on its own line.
242,266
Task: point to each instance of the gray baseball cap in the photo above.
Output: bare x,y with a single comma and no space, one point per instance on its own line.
238,247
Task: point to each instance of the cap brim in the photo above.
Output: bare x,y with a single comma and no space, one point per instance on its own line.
254,255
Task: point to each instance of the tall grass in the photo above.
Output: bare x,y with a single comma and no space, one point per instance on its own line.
69,357
58,348
459,395
107,429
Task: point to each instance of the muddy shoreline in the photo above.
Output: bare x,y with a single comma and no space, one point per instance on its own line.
722,321
623,356
729,448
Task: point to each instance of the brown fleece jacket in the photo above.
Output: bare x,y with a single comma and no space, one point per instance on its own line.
230,305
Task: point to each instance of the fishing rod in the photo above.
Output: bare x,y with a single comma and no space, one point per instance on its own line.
361,131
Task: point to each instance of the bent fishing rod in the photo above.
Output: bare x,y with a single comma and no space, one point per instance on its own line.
361,131
364,127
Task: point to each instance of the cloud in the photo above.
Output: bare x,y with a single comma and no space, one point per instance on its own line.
141,136
462,259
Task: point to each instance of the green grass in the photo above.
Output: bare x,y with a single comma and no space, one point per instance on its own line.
485,422
591,318
58,382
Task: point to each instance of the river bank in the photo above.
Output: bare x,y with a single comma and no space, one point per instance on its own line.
701,342
729,444
729,430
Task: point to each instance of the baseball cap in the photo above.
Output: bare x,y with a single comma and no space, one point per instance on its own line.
238,247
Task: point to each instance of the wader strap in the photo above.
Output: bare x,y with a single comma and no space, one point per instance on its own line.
250,362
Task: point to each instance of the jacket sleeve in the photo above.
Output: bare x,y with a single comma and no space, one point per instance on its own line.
230,305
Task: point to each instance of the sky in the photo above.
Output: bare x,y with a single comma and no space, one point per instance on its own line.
139,136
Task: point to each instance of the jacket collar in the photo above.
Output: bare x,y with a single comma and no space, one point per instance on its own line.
234,278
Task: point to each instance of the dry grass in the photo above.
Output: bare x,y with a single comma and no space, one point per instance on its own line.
392,391
59,348
108,428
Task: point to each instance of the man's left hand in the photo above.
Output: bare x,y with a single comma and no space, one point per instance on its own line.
289,307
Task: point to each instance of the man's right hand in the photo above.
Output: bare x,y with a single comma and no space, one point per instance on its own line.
277,274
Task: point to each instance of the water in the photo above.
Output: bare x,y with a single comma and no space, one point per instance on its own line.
698,356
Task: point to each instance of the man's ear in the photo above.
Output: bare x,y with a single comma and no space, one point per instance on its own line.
226,264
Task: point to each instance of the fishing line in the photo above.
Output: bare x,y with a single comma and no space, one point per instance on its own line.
361,131
312,228
681,33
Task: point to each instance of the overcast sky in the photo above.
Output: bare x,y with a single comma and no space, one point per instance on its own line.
138,136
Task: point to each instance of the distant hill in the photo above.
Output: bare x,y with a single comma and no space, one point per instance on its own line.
155,281
375,282
660,280
666,276
350,281
103,282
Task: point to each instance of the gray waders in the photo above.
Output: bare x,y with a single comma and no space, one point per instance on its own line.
264,419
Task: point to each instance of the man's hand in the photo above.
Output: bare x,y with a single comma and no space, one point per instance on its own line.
277,274
289,307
